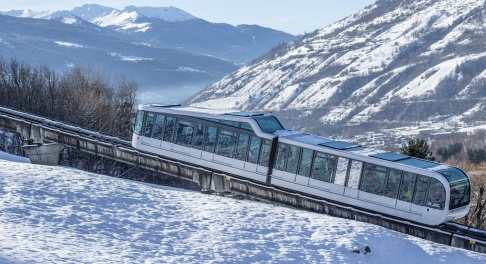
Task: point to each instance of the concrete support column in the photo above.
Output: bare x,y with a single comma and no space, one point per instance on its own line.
43,154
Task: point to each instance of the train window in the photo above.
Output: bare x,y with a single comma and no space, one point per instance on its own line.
460,194
149,125
292,159
392,183
246,126
407,186
242,147
421,190
226,143
139,122
254,149
169,128
265,153
230,123
159,126
341,171
355,174
437,195
210,139
460,187
281,156
268,124
373,180
184,133
198,137
323,167
305,162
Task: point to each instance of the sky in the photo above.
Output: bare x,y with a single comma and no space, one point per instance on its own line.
63,215
295,17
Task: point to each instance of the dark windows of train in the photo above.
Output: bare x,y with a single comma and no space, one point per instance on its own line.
392,183
268,124
246,126
421,190
265,153
169,128
281,156
242,147
373,180
305,162
230,123
341,171
149,125
254,149
437,195
407,186
355,174
292,159
184,132
460,194
139,122
460,187
159,126
198,137
323,167
226,143
210,139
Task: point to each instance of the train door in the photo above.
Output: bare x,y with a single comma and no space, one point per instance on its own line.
264,158
253,153
168,135
197,142
420,194
405,194
352,185
209,142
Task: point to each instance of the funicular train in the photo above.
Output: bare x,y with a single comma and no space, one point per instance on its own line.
255,146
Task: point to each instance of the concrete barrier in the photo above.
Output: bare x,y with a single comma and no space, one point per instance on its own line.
43,154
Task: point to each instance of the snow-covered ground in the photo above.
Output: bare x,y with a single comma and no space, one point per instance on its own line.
63,215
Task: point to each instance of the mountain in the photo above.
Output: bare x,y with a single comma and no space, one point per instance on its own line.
173,28
169,52
158,71
395,61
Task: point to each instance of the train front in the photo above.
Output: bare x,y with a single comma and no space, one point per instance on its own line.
460,192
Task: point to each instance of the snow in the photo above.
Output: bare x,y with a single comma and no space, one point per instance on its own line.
63,215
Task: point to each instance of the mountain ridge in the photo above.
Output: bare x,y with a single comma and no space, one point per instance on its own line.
169,60
394,60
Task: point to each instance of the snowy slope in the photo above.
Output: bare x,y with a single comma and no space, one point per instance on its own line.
395,60
63,215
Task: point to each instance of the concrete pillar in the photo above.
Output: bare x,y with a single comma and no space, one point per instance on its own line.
43,154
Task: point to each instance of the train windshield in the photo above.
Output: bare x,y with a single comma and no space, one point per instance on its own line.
268,124
460,187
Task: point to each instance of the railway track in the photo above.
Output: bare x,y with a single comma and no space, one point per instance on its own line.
457,235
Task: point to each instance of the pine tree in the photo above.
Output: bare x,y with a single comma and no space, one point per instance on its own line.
418,148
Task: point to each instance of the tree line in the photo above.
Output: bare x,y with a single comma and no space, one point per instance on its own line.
80,96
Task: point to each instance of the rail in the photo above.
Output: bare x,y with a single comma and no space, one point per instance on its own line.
37,128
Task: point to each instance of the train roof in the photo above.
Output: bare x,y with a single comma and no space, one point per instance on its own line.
196,110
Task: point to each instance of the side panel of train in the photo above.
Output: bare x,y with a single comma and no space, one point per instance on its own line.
223,145
400,193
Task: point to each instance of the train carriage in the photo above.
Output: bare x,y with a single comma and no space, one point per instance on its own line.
256,147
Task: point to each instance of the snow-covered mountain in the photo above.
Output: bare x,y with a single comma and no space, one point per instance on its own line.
169,52
397,60
174,28
63,215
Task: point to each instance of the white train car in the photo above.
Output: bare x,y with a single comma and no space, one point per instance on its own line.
255,146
